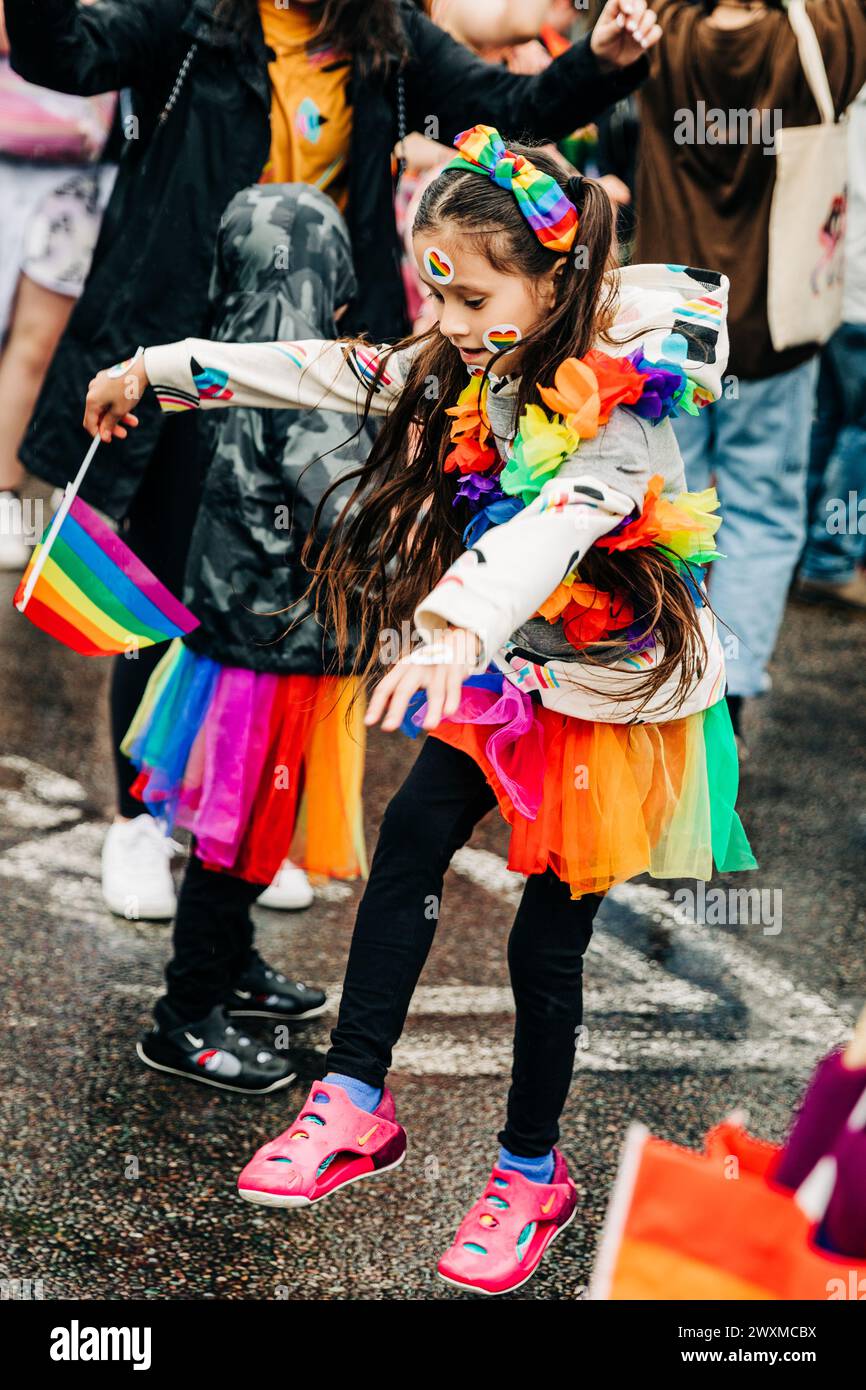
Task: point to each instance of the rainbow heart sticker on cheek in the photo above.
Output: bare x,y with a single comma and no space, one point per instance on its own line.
501,336
438,265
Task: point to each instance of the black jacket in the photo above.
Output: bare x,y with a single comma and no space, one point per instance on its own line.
151,268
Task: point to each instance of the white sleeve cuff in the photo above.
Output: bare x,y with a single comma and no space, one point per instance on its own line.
450,605
170,374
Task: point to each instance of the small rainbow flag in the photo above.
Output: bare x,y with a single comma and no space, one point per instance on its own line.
85,587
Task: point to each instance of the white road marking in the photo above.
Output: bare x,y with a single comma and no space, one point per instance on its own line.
629,997
490,872
481,1001
432,1054
43,783
789,1026
793,1011
637,1011
64,868
23,814
147,992
76,850
333,891
43,801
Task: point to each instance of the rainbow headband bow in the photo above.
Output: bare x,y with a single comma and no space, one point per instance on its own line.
551,215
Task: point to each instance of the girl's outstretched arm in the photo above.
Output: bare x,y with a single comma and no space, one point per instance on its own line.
197,374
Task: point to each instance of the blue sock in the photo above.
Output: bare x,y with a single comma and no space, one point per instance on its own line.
359,1093
536,1169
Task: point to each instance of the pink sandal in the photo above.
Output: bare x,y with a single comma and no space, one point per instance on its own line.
502,1238
330,1144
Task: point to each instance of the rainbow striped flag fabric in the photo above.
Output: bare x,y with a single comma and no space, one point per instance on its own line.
87,589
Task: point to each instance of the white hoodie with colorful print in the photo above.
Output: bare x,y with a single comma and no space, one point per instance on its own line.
670,318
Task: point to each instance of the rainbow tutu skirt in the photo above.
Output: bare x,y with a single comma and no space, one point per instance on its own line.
601,803
256,766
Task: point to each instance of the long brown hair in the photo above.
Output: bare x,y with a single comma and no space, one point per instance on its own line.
400,529
370,32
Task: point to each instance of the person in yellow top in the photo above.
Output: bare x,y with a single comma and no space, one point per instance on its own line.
311,118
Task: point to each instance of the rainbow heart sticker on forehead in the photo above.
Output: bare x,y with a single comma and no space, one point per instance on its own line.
438,265
501,336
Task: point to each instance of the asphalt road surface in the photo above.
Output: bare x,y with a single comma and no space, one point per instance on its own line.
118,1183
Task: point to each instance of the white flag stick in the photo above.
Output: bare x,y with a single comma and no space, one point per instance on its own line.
56,523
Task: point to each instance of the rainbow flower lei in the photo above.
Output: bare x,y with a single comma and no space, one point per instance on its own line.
585,392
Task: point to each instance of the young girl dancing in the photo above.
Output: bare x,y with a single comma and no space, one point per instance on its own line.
569,671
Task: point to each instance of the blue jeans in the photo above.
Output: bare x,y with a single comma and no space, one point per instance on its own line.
756,451
836,542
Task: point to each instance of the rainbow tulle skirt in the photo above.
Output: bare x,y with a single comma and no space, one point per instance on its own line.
257,766
601,803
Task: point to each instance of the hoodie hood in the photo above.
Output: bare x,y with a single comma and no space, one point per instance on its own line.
283,265
676,314
673,313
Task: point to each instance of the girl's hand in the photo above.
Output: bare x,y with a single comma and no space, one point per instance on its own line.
440,668
624,31
110,396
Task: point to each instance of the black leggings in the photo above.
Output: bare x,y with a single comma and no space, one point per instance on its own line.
432,815
213,939
159,530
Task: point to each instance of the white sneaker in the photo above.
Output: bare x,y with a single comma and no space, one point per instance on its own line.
290,890
136,870
14,550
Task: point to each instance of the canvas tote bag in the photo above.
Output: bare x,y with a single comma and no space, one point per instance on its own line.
807,214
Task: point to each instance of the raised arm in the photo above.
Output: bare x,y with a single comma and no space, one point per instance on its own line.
449,83
87,49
